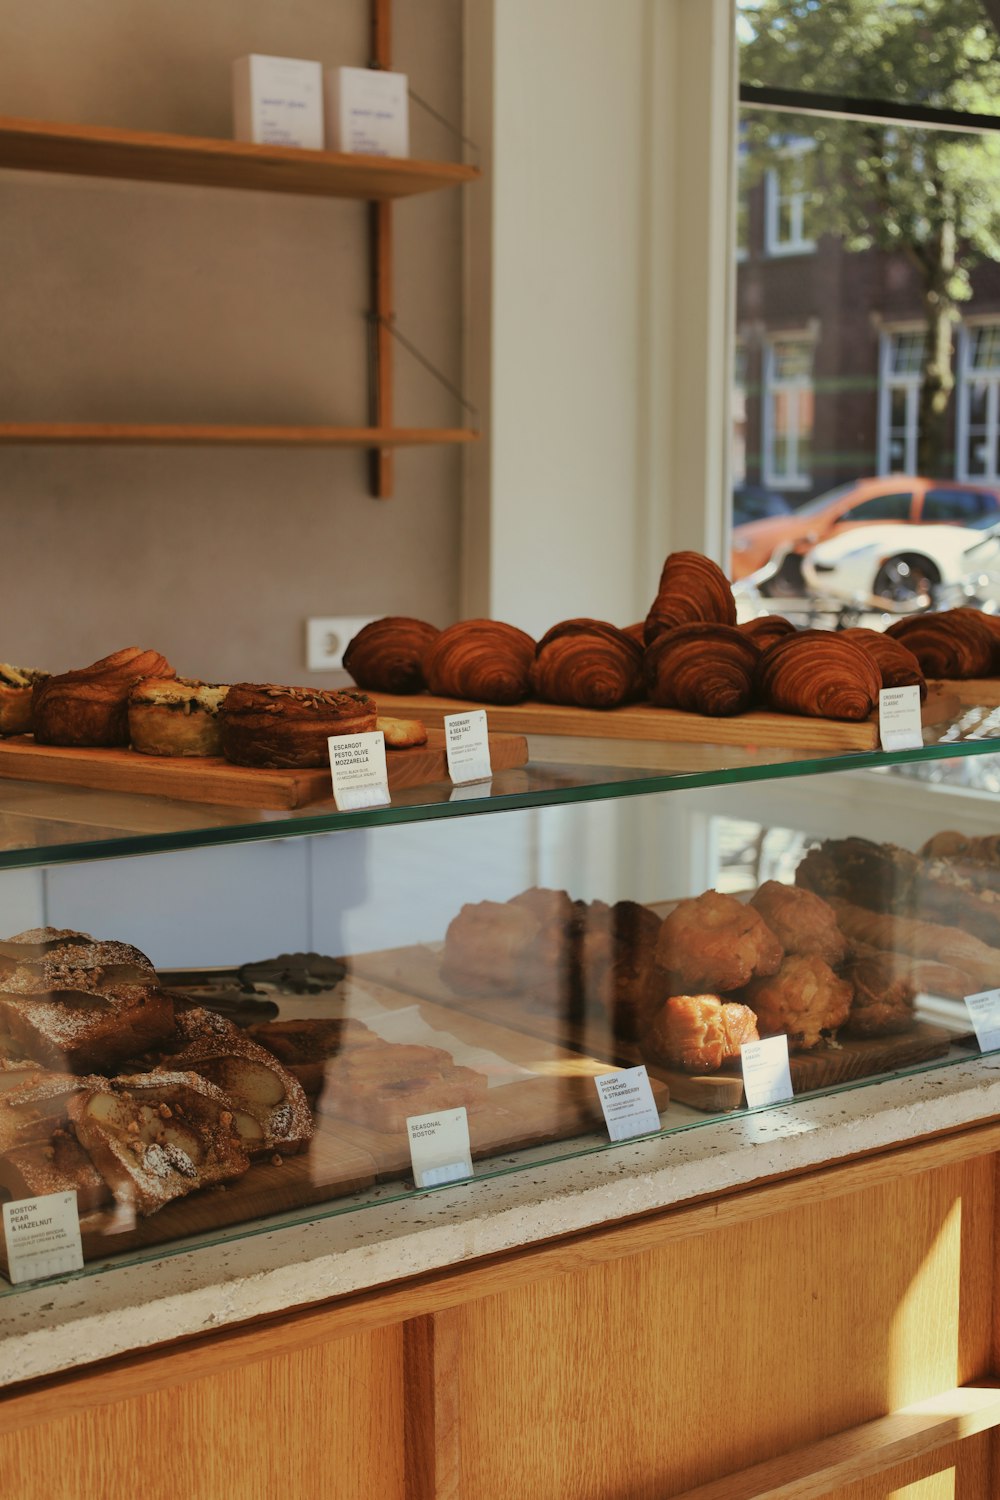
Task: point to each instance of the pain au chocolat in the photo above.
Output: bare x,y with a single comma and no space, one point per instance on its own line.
486,661
387,655
288,727
16,688
587,664
692,588
818,673
702,668
89,706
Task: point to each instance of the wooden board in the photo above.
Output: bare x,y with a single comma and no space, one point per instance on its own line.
972,692
211,779
642,721
417,969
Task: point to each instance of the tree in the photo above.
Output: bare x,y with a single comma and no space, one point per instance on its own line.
929,195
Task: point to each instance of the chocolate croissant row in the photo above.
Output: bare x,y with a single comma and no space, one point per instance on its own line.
957,643
387,655
703,668
587,664
692,588
89,706
817,672
484,660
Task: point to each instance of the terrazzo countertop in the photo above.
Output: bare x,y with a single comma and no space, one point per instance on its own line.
71,1322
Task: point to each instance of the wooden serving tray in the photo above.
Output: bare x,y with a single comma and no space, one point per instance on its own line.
417,969
211,779
642,721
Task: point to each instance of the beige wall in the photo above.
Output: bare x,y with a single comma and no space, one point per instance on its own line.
137,302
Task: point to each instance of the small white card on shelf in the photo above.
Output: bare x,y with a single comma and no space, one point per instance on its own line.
358,769
984,1011
439,1147
766,1076
278,101
467,743
470,791
367,112
628,1103
899,726
43,1237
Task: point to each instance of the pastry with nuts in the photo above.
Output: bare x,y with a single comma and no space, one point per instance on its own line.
288,727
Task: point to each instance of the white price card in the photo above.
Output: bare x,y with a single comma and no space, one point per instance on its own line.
43,1237
766,1077
468,747
628,1103
984,1009
899,726
357,765
439,1147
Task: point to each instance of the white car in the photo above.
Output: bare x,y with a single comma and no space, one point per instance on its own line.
900,563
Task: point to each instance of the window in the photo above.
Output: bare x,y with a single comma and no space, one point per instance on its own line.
978,417
788,413
880,508
901,364
964,506
786,199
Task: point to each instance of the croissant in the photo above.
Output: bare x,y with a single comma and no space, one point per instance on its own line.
896,662
386,656
484,660
588,664
956,643
89,706
706,669
766,629
692,588
267,725
817,672
636,632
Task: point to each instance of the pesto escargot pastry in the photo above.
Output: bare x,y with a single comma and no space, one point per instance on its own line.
175,716
16,684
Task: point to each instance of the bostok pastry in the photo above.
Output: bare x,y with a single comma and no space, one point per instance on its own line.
89,706
692,588
818,673
387,655
482,660
175,716
271,726
587,664
16,688
703,668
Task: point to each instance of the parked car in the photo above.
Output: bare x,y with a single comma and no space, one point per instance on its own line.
904,499
901,563
752,502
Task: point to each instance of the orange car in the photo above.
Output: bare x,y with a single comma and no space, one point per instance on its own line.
893,497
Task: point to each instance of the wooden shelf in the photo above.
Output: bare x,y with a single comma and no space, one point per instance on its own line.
190,435
145,156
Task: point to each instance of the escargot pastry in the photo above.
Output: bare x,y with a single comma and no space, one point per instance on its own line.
267,725
484,660
387,655
705,669
588,664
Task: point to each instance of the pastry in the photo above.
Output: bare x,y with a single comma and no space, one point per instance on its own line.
89,706
38,941
271,726
155,1137
175,716
484,948
402,734
30,1113
305,1046
897,664
616,962
817,672
884,994
956,643
692,588
78,1029
387,655
766,629
975,964
801,921
804,1000
712,944
984,849
16,690
702,668
587,664
482,660
381,1086
551,969
58,1165
697,1033
269,1107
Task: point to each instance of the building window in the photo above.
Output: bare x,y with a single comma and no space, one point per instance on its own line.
901,365
788,413
739,453
787,205
978,417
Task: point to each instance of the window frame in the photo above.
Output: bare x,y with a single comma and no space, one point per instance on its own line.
889,381
795,478
965,377
798,243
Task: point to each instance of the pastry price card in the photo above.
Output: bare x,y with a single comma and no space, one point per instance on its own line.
43,1237
357,765
439,1147
766,1076
899,725
468,747
628,1103
984,1011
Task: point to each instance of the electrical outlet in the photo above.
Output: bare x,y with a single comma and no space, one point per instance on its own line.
327,640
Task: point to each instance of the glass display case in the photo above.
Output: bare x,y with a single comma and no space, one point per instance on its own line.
326,977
